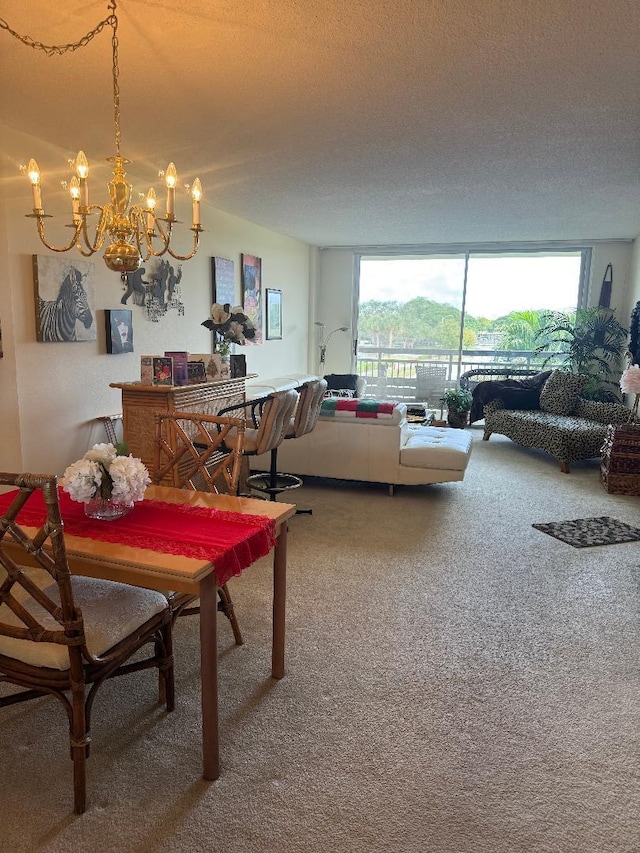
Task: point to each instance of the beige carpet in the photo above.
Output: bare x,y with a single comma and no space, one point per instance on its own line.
457,682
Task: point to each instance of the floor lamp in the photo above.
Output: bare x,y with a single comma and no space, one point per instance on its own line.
324,341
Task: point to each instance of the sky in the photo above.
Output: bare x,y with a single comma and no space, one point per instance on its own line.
495,286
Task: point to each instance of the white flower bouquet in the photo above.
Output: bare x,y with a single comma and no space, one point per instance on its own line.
105,473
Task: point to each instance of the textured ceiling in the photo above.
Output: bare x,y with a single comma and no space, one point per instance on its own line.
355,122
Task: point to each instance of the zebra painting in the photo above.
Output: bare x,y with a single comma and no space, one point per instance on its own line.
68,316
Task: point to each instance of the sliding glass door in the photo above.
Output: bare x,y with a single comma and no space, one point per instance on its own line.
423,320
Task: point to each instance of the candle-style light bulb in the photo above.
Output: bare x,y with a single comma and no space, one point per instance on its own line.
82,168
74,189
151,205
82,165
196,195
34,176
171,179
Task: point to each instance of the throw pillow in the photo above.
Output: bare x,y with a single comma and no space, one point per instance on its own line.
339,392
340,381
560,392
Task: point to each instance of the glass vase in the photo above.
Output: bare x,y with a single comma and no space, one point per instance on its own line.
105,509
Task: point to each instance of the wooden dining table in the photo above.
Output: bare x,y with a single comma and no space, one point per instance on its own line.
153,568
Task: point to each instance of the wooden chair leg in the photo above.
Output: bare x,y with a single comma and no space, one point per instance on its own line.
166,687
79,743
226,606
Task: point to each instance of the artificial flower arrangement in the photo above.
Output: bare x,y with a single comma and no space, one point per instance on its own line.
630,384
630,380
106,472
230,326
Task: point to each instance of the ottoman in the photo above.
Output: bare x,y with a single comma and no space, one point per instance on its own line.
437,448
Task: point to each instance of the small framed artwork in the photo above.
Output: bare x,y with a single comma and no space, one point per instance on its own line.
118,326
252,293
274,314
223,288
64,297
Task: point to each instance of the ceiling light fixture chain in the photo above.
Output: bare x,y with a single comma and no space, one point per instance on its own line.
135,233
59,49
116,73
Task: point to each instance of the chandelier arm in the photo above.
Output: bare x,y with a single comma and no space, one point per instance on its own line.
164,236
196,240
72,242
144,235
101,228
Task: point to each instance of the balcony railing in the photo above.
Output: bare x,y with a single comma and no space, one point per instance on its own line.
393,374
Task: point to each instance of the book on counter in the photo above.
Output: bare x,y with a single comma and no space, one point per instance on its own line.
196,372
238,366
162,370
146,369
180,370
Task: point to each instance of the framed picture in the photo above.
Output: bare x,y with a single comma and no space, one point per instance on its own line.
252,293
274,315
222,282
64,293
118,326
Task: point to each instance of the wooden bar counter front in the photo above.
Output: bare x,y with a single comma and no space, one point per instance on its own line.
140,402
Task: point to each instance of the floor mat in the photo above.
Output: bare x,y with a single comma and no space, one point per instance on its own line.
587,532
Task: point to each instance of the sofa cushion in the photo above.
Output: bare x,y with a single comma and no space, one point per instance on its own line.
436,448
605,413
258,387
561,391
566,437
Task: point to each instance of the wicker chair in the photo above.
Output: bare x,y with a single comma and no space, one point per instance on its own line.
61,633
431,382
190,453
304,420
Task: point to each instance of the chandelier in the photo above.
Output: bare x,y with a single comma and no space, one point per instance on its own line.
134,232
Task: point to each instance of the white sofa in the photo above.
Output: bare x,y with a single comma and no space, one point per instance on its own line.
378,450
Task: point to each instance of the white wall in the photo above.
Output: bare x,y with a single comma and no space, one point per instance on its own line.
633,292
619,255
335,307
50,393
10,446
335,301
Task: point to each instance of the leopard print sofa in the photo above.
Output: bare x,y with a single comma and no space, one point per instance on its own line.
567,437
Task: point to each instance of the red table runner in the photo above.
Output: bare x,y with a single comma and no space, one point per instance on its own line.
230,540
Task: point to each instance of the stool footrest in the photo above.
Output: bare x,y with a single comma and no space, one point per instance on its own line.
266,482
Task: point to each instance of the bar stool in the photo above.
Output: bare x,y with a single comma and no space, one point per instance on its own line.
304,420
267,419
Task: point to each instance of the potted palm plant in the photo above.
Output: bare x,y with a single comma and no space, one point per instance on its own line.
589,341
458,405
